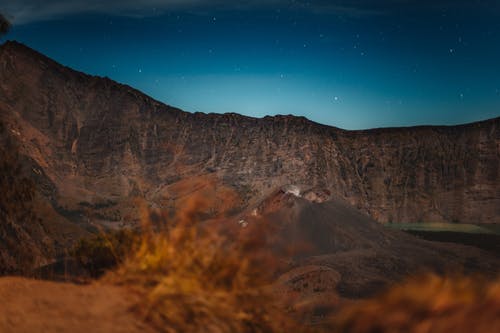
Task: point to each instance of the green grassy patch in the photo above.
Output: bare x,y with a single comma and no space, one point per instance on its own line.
447,227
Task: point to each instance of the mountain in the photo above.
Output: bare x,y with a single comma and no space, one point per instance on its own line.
97,145
94,151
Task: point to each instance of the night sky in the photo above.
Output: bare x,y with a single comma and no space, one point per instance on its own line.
352,64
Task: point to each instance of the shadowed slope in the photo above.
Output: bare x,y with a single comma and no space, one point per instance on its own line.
334,237
31,232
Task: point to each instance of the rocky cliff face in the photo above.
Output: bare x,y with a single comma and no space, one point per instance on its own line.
32,234
99,144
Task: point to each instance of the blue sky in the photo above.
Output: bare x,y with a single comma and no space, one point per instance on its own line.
352,64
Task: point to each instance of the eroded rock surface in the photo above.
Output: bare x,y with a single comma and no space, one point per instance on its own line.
99,144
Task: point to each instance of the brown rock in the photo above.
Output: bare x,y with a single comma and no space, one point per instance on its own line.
100,144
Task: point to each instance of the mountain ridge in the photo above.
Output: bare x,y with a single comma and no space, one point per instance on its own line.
20,47
100,142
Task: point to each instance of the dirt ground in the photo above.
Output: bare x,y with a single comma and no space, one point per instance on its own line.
49,307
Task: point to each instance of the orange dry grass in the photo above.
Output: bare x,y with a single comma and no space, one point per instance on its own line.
427,304
193,280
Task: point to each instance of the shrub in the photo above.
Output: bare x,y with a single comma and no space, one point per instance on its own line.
193,279
427,304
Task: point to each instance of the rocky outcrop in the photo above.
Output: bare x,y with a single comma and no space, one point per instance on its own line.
99,144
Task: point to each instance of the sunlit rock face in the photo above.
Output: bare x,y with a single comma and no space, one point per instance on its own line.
98,145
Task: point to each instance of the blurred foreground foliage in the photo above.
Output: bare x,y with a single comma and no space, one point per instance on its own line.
426,303
4,25
193,279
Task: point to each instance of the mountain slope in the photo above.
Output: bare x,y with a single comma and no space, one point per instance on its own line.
31,232
100,144
334,239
